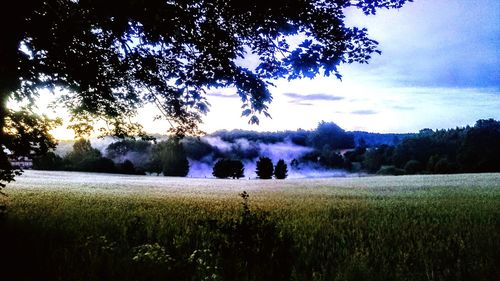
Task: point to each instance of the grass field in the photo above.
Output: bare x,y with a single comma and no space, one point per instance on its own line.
82,226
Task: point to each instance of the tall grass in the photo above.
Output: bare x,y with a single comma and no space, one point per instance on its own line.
352,231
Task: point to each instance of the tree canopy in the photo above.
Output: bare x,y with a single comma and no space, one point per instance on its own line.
111,57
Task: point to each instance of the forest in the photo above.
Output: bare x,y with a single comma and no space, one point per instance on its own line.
328,147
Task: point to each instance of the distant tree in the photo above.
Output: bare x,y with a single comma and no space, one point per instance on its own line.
237,169
48,161
227,168
138,152
377,157
174,159
413,167
101,165
265,168
329,133
444,166
83,157
281,170
221,169
330,158
169,157
480,149
127,167
197,148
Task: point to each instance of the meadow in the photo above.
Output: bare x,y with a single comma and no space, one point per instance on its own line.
84,226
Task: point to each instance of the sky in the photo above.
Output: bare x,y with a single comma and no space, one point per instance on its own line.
439,68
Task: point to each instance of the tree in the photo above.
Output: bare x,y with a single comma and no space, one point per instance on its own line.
49,161
170,157
111,57
82,157
127,167
227,168
85,158
265,168
331,135
413,167
136,151
281,170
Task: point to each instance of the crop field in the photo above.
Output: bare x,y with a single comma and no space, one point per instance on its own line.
84,226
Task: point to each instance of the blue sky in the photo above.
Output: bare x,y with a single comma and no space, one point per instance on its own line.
439,68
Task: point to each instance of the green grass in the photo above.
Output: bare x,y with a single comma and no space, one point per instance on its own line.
76,226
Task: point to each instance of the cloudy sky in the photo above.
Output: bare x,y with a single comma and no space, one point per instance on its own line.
440,68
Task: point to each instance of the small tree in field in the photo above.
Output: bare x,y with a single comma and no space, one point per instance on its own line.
281,170
265,168
237,169
226,168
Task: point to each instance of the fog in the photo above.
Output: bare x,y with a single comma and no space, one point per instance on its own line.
275,151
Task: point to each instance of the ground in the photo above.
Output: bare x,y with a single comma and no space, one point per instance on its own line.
423,227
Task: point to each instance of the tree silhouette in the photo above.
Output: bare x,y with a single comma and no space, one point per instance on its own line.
281,170
226,168
114,56
170,158
265,168
127,167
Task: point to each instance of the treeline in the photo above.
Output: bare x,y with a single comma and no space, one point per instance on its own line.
460,150
126,157
170,157
327,133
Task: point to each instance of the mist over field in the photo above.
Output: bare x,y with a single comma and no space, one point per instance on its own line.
248,150
275,151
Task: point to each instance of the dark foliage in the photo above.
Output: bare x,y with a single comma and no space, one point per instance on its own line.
48,161
480,149
375,158
197,148
265,168
461,150
329,133
127,167
228,168
413,167
85,158
171,157
136,151
281,170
